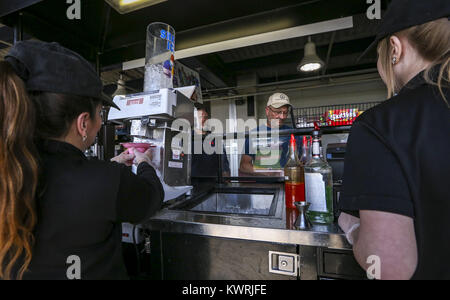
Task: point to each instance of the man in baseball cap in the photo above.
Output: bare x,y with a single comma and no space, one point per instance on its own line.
268,162
277,109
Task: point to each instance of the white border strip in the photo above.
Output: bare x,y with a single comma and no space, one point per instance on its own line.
268,37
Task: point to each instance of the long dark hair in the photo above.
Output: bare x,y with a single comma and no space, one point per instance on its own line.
18,173
56,112
26,120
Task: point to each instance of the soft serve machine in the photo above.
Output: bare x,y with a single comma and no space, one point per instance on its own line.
160,116
164,120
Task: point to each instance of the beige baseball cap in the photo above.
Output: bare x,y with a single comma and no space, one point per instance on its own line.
278,100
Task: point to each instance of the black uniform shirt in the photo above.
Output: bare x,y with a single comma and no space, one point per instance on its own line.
81,210
397,161
207,165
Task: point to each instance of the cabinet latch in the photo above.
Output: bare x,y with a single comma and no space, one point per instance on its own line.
284,263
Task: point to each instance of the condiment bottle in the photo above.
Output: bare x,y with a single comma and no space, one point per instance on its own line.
294,177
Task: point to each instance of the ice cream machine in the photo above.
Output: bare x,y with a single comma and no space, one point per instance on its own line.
164,119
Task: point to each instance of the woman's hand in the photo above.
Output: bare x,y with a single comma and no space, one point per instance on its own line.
143,157
350,225
124,158
346,221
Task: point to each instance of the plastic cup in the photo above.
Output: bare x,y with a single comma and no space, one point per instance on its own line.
141,147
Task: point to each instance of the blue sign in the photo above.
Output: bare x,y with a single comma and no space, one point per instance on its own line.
170,40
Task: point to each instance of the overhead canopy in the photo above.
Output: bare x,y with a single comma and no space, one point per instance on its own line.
104,34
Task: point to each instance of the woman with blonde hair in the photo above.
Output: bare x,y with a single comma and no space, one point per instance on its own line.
61,214
396,197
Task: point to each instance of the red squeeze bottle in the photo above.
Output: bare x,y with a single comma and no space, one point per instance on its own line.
304,159
294,177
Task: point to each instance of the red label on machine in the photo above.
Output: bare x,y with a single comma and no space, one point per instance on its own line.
135,101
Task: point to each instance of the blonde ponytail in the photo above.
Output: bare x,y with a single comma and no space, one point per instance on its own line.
432,41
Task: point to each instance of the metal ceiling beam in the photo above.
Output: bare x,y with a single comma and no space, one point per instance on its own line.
330,47
45,30
18,28
331,71
204,71
295,56
289,33
10,6
5,43
132,46
219,68
373,72
363,71
105,28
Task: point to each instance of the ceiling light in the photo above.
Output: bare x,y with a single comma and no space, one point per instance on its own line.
126,6
311,62
121,90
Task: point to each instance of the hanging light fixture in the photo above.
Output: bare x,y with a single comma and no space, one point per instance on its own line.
311,62
121,90
126,6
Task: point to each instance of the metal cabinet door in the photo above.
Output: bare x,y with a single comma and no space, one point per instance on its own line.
193,257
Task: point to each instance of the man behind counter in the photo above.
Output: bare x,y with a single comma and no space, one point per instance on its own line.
203,164
266,157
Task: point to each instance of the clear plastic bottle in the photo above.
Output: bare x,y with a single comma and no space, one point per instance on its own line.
319,186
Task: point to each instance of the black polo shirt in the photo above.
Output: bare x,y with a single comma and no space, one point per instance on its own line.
207,165
397,161
81,210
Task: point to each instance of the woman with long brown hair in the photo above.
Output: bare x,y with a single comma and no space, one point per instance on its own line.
18,173
396,190
54,203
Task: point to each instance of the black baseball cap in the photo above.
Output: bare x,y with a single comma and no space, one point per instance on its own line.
49,67
403,14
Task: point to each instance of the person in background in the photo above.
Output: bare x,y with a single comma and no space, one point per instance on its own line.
203,164
57,207
395,196
258,162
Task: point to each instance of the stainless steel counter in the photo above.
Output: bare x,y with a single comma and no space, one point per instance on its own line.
276,226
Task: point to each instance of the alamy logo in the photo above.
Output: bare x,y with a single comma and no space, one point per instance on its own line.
374,11
74,270
74,10
374,270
